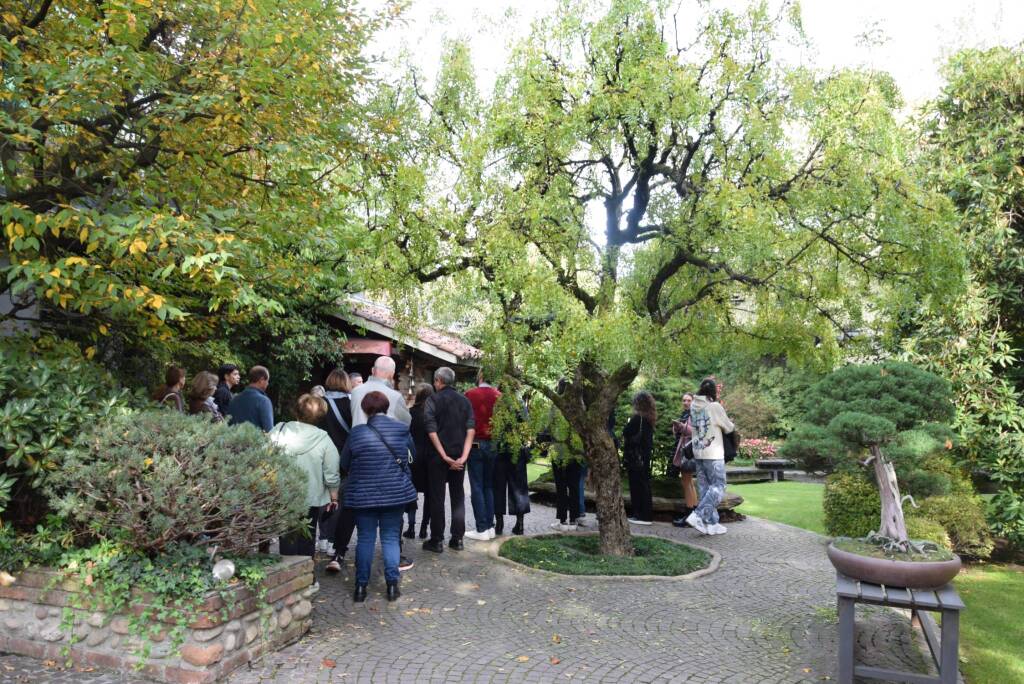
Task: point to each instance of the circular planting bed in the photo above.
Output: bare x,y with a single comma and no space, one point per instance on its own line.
579,554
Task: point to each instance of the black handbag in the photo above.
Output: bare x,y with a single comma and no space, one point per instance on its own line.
731,442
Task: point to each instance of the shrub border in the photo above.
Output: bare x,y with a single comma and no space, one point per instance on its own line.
494,551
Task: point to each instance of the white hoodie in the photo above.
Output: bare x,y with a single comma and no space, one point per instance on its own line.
708,420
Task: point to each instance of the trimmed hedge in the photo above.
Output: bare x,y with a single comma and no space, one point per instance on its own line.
851,505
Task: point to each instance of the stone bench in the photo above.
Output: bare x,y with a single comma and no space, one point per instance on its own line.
944,600
659,504
775,466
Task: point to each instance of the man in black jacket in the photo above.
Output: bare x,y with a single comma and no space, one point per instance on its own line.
448,417
228,376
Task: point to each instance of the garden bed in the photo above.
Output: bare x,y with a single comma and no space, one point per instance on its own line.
579,554
228,630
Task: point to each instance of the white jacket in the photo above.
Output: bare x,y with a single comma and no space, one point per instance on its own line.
709,421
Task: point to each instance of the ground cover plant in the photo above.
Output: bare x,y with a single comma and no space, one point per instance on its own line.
581,555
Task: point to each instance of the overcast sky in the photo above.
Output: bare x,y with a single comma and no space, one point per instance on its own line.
908,38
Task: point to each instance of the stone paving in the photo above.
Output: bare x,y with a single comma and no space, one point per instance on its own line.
766,615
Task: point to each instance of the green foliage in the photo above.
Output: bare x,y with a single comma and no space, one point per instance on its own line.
48,396
974,136
892,404
925,529
174,585
851,504
581,555
749,410
963,518
156,478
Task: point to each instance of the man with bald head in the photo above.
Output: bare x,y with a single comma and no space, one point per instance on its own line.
380,380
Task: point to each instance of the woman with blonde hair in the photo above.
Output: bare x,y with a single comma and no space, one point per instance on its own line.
315,454
638,441
339,424
200,396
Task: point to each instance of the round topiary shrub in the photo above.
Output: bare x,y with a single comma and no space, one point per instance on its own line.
963,519
851,505
924,529
159,477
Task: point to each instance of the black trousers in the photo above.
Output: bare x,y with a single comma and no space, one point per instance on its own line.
511,489
344,526
298,544
639,473
440,475
567,490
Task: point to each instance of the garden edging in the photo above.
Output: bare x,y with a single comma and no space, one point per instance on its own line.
221,637
494,551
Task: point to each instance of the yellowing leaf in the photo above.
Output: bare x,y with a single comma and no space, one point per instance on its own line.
90,352
138,246
71,261
83,235
55,273
103,329
278,38
156,301
92,247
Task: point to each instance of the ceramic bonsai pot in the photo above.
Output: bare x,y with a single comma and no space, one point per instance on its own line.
894,573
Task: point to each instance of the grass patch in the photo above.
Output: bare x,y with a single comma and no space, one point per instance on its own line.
991,627
793,503
580,555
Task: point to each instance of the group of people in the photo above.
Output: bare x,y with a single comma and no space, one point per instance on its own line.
699,455
367,457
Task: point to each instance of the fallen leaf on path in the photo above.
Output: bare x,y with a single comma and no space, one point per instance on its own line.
555,660
523,659
327,662
556,638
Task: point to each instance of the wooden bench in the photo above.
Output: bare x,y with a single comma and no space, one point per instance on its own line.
944,600
775,466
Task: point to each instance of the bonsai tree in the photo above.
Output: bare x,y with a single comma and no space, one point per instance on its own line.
879,416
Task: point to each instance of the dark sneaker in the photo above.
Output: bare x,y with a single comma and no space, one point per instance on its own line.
335,564
405,564
456,545
435,546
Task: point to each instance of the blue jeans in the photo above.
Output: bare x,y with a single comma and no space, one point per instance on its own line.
711,483
481,483
389,520
583,497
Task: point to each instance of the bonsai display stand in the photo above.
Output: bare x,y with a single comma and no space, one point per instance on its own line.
945,600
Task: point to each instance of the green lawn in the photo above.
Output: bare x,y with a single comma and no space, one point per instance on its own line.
793,503
992,628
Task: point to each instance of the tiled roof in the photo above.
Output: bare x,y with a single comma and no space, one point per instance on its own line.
442,340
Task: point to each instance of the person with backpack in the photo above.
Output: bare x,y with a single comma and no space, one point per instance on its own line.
376,458
638,445
168,395
710,424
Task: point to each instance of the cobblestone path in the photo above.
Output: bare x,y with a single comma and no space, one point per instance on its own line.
766,615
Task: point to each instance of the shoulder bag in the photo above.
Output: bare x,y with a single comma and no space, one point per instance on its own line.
403,463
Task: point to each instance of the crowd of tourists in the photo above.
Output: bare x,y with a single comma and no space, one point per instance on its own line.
368,456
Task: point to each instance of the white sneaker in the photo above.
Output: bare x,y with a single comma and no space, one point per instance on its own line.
696,523
717,528
556,526
491,534
568,527
478,536
640,522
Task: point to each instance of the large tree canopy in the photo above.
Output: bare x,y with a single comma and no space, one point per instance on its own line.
168,166
635,190
975,140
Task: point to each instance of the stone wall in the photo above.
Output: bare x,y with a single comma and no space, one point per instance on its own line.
221,638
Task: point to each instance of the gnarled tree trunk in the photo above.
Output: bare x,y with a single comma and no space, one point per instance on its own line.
603,460
892,525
